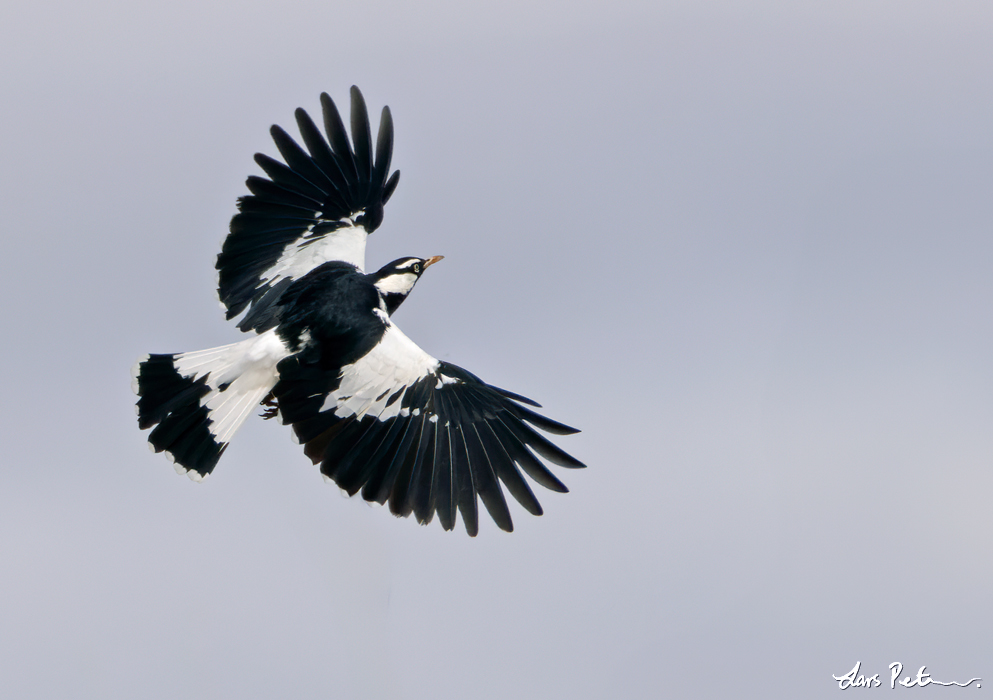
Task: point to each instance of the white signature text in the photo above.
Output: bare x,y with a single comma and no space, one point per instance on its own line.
854,679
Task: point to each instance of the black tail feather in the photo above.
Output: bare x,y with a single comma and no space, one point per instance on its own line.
171,402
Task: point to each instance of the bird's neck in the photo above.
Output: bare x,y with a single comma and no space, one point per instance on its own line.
392,300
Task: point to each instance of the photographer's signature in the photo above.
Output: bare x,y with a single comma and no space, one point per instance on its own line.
854,679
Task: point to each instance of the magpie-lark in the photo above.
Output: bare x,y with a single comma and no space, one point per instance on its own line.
377,413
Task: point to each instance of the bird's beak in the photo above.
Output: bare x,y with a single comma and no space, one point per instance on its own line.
431,261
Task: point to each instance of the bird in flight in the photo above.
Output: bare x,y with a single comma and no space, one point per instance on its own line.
377,413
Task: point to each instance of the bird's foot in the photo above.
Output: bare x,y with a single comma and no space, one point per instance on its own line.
272,407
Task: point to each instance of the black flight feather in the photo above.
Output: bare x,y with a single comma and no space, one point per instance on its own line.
338,138
531,465
540,421
465,490
419,499
362,139
301,163
323,157
284,176
543,446
443,489
384,148
391,185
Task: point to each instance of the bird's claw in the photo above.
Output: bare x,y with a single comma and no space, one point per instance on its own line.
272,407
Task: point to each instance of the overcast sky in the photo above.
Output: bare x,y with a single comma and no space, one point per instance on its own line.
744,246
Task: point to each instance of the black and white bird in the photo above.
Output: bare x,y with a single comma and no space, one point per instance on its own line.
377,413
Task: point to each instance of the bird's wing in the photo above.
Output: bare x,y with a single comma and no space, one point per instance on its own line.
318,206
425,435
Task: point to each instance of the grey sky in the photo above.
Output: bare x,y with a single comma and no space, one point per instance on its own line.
744,246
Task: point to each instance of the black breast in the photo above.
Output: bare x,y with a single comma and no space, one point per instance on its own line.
336,307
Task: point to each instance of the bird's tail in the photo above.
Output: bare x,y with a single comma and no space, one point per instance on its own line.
198,400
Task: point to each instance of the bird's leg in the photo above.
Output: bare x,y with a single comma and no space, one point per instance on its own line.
272,407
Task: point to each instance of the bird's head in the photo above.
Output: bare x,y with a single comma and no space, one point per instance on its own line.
395,280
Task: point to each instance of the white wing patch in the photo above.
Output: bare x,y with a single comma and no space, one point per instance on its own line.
304,254
368,384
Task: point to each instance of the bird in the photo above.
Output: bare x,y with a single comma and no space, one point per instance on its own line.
378,414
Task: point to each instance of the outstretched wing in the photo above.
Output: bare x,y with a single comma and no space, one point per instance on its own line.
318,206
428,436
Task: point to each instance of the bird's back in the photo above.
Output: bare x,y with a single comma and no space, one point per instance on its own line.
333,307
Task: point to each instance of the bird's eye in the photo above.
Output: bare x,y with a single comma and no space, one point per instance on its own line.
417,267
